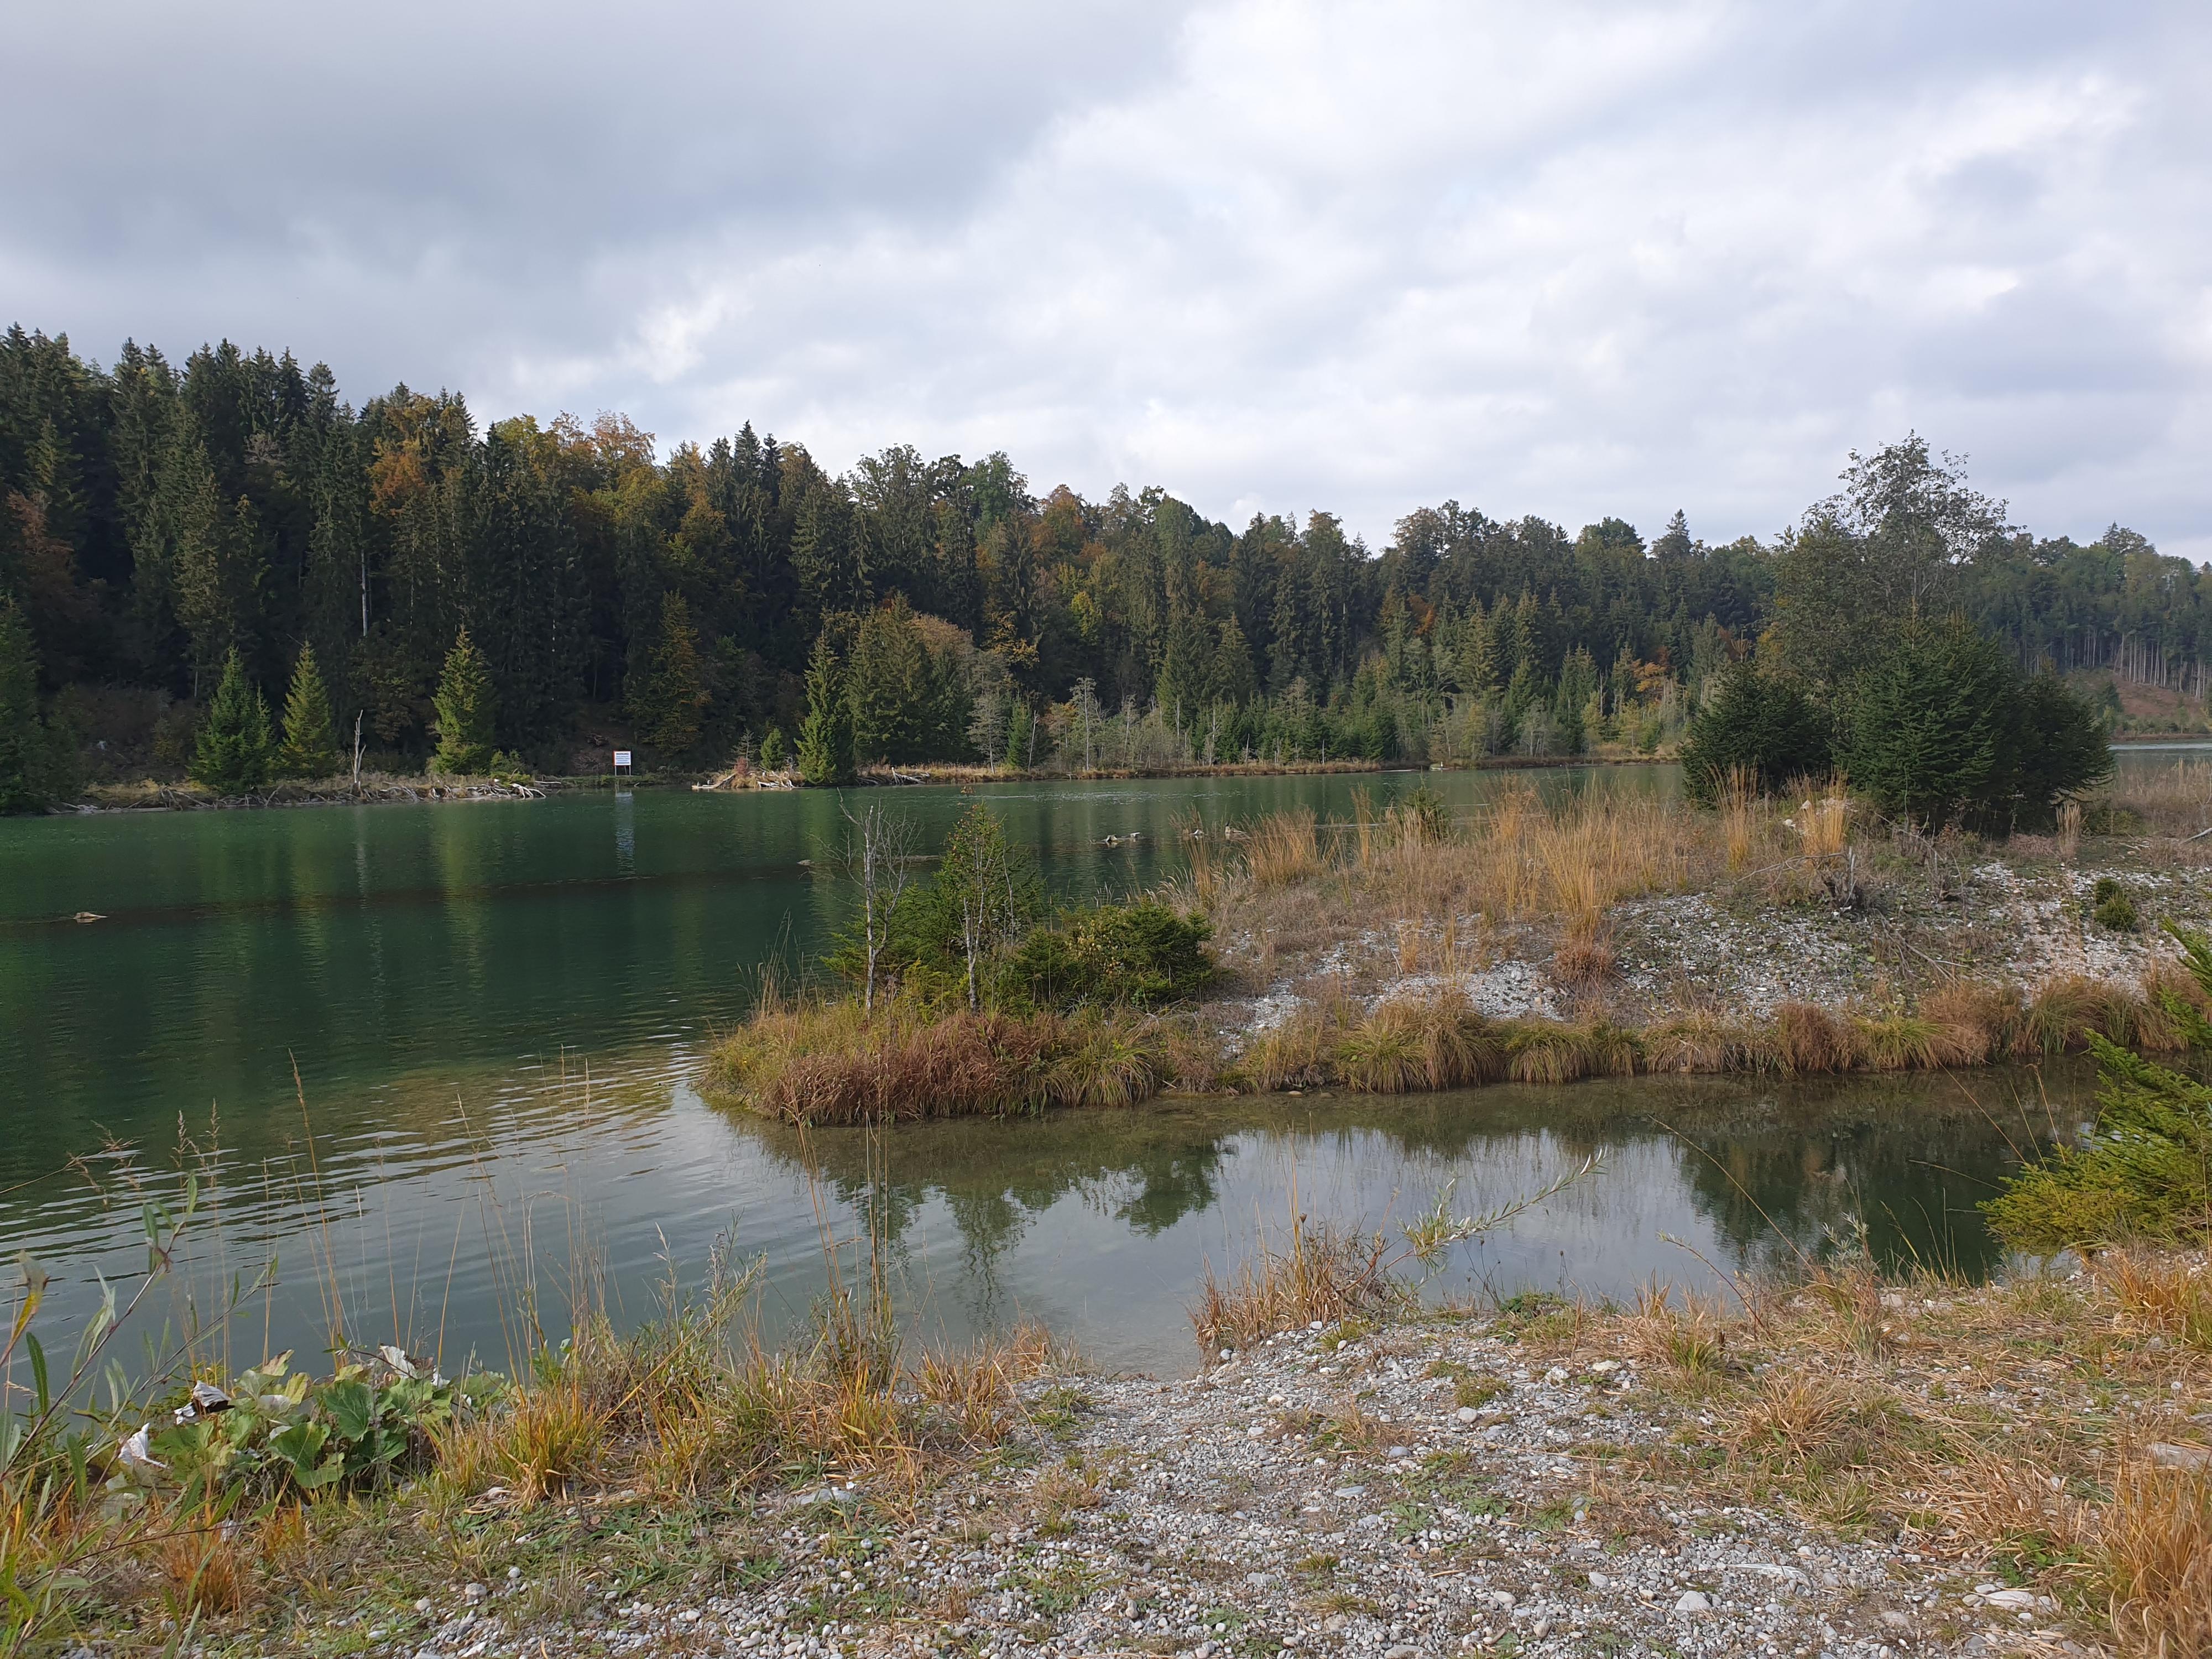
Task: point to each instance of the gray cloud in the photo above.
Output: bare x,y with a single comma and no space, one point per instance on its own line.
1571,260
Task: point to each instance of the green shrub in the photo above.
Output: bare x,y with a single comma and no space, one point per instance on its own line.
2112,907
1142,953
1760,723
1945,729
2145,1171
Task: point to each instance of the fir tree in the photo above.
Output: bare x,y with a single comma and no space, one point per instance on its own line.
310,749
232,752
464,705
1020,726
22,733
825,737
771,749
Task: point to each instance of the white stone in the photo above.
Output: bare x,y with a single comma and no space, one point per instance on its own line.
2168,1456
1693,1602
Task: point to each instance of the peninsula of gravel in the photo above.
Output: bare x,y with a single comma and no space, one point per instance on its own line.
1844,1466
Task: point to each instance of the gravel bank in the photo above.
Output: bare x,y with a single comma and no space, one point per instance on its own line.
1424,1491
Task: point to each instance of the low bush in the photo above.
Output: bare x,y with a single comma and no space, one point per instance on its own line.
1141,954
2145,1170
2112,908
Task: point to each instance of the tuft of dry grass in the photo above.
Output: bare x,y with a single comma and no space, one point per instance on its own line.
2150,1553
1689,1334
204,1571
1324,1273
2160,1295
1809,1038
1283,849
973,1389
1704,1042
1974,1023
1584,958
1434,1042
1896,1042
834,1063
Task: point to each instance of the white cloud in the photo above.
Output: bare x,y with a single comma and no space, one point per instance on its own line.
1569,260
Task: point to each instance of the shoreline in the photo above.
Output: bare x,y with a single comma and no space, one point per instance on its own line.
422,789
1842,1464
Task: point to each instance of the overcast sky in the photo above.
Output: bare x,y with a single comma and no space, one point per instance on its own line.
1562,260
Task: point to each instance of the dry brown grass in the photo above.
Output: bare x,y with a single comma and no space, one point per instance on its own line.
975,1387
1323,1272
1283,849
205,1570
2166,1295
1584,958
1425,1043
1974,1023
1688,1335
2150,1553
1810,1038
834,1063
2170,800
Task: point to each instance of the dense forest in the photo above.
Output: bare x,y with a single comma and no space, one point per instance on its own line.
155,519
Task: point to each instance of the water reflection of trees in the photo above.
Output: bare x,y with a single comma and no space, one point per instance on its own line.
1775,1168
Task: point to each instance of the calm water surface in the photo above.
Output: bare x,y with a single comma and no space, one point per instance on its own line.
494,1011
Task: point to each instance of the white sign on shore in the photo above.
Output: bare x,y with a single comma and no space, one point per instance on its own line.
622,757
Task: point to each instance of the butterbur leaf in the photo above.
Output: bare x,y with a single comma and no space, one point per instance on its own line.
351,1407
299,1445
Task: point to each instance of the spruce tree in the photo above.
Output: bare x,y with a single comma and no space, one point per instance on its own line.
464,705
22,734
1758,726
771,749
673,697
310,749
232,752
825,737
1019,726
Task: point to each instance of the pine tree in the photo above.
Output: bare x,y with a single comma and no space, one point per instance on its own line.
310,748
22,734
233,753
464,705
825,737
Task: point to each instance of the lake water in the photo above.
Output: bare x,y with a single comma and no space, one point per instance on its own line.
493,1009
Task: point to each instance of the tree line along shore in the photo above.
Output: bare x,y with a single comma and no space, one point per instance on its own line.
711,607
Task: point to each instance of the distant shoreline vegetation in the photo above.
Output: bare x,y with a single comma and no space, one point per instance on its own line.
738,604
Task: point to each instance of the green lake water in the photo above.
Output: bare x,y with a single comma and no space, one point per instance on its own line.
494,1011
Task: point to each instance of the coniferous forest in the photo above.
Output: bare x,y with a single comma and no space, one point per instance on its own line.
231,527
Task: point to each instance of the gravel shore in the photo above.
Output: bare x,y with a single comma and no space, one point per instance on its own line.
1430,1489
